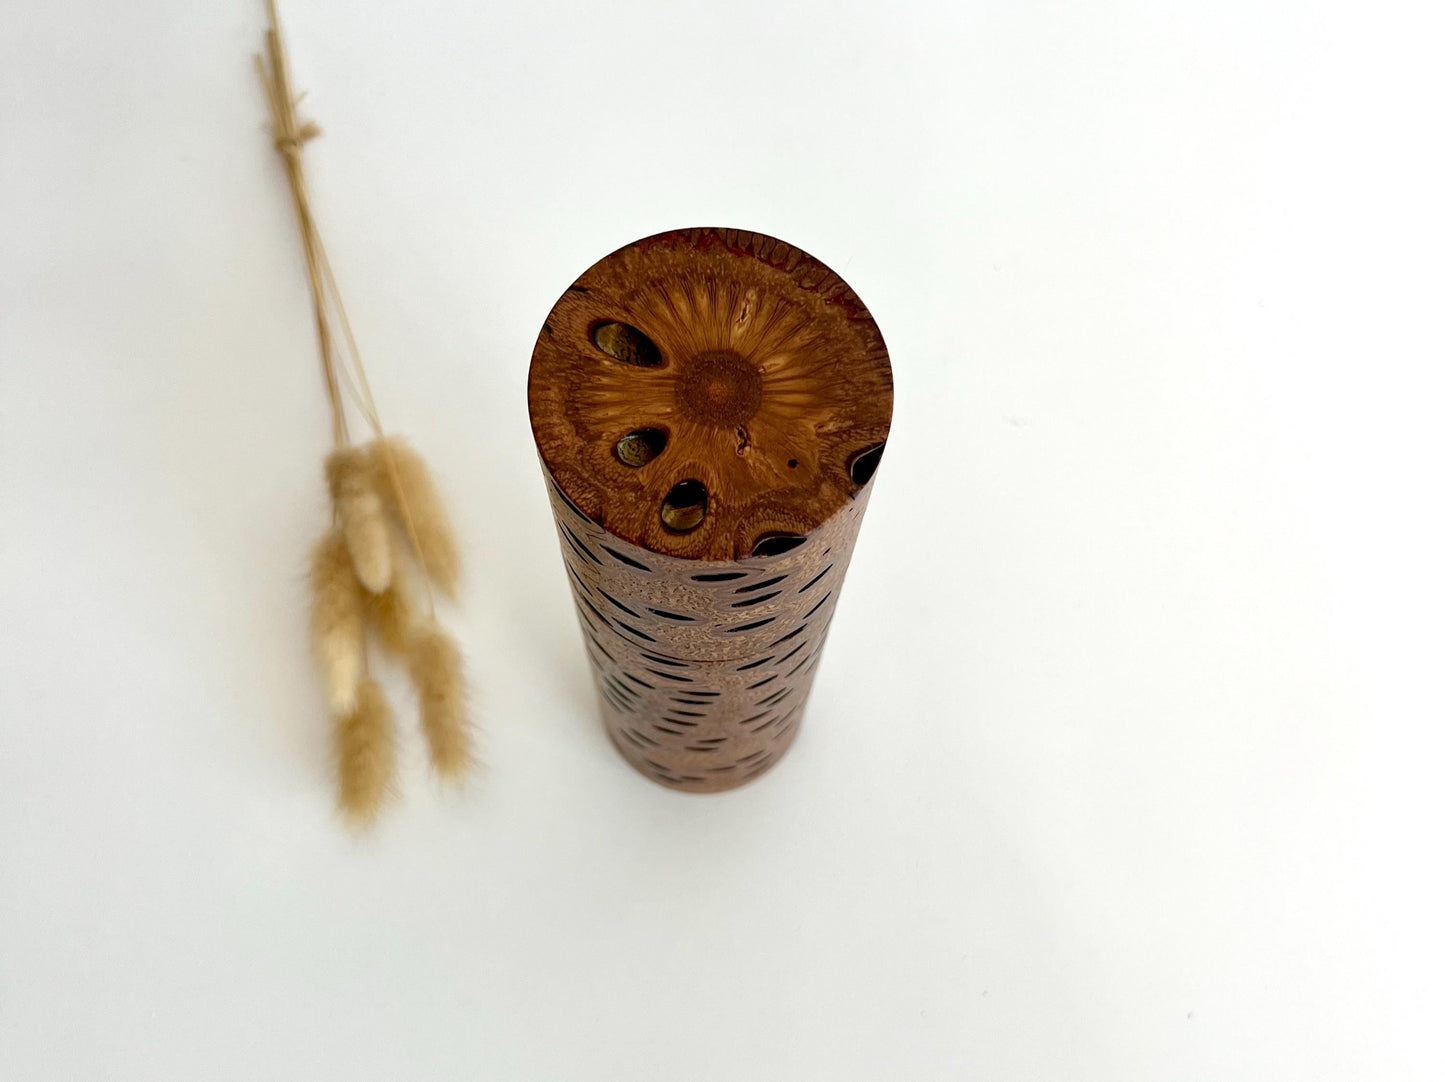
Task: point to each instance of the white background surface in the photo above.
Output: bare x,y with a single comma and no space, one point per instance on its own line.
1123,760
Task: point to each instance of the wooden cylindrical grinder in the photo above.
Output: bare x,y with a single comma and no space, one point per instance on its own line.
710,406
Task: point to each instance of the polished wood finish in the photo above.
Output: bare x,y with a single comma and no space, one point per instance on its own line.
710,407
761,371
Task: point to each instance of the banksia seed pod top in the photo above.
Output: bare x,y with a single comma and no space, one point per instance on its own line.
710,394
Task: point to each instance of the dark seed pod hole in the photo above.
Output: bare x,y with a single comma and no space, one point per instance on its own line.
640,447
624,342
864,463
776,544
684,506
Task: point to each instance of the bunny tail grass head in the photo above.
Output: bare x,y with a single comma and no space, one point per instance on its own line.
436,670
350,477
391,614
365,745
412,500
337,621
386,510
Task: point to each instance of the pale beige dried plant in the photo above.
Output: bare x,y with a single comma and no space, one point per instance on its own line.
392,613
379,491
436,670
338,627
365,748
351,479
411,498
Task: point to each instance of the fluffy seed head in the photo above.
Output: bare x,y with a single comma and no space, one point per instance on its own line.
365,748
391,613
436,670
350,476
412,500
337,623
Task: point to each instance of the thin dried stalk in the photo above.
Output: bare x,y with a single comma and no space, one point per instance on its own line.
291,134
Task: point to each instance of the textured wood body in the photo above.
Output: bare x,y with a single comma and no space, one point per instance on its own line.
703,668
735,366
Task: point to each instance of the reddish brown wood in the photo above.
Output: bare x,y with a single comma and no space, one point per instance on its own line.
757,365
709,406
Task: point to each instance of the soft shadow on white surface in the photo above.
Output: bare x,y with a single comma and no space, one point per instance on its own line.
1120,761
